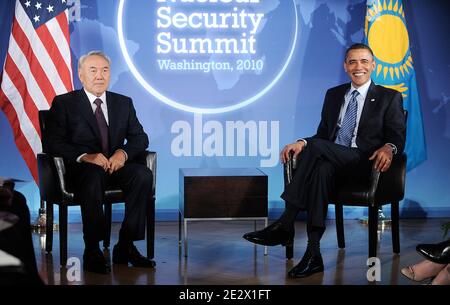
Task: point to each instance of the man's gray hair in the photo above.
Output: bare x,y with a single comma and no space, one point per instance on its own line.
91,53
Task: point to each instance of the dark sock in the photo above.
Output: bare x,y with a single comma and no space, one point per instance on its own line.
289,215
124,239
314,236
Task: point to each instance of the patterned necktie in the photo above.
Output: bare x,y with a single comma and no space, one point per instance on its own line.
102,126
345,133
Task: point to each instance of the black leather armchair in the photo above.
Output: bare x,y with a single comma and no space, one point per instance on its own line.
54,190
378,190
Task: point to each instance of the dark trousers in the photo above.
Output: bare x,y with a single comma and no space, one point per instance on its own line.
320,165
90,182
17,241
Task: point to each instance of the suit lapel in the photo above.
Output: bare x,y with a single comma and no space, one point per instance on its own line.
87,113
369,104
113,117
340,99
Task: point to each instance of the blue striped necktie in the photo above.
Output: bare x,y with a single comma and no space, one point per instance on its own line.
345,133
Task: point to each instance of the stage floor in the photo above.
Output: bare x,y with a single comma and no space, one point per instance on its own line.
218,255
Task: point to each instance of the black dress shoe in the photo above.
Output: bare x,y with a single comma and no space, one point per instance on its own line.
94,261
272,235
130,254
308,265
437,253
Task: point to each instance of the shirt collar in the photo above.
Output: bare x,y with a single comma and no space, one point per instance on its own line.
92,97
361,90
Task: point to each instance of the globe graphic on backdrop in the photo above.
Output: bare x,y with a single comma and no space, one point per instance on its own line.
220,87
234,71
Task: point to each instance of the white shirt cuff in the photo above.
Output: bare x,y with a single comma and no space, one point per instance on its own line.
81,156
394,148
304,141
124,152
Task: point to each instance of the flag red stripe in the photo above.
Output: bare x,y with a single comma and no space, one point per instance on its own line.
19,82
55,55
35,66
62,21
22,144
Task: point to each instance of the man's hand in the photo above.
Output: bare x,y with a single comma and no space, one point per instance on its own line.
116,161
296,147
98,159
383,158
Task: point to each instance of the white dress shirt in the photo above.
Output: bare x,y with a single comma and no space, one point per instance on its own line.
360,100
104,107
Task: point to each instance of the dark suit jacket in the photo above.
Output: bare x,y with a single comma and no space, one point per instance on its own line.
73,129
382,119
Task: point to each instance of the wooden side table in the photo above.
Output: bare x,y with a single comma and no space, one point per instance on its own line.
221,194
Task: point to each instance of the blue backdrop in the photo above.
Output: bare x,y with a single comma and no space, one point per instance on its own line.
253,82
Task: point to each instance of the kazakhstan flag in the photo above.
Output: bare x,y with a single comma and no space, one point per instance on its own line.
387,35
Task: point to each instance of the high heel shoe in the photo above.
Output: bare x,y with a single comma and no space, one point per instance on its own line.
423,271
410,274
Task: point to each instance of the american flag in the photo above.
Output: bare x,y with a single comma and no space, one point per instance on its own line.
37,67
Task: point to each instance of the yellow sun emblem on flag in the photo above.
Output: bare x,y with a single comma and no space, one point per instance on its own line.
387,35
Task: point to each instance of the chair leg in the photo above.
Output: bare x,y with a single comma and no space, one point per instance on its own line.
395,227
339,211
373,228
63,235
290,250
151,229
108,217
49,227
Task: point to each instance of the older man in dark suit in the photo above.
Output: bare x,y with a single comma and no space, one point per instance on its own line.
360,122
98,135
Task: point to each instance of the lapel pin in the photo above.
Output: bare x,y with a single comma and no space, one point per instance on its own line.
372,100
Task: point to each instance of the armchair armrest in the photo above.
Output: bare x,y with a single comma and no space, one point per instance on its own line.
289,168
52,184
370,194
392,182
373,186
